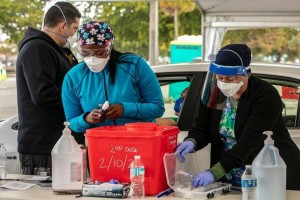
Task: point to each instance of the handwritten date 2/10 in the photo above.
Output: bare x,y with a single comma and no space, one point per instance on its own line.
114,162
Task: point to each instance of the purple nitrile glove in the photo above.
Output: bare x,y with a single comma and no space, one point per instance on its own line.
183,149
113,181
203,179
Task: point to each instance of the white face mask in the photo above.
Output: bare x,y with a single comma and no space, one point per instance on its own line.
95,64
229,89
70,41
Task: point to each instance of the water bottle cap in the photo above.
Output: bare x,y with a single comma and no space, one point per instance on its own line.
269,139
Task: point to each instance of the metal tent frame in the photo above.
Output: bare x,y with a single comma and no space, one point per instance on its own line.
218,16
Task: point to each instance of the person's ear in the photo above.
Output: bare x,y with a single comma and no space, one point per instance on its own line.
63,25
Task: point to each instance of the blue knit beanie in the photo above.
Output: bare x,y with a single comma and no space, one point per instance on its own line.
234,55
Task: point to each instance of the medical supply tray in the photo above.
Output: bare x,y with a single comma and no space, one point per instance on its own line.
179,178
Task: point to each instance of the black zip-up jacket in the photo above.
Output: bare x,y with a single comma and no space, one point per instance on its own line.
41,67
259,109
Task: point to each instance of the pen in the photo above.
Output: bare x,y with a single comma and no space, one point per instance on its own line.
165,192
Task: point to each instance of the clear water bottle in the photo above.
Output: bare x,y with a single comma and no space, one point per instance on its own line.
3,161
137,174
249,184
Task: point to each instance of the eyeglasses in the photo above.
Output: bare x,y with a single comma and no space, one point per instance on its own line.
100,53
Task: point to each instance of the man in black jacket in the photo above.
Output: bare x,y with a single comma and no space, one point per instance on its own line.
41,67
236,108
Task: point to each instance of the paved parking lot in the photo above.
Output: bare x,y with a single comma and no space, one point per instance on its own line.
8,98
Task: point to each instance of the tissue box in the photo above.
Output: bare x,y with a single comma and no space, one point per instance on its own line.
106,190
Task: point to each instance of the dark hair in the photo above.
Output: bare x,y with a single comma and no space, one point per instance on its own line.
54,15
115,57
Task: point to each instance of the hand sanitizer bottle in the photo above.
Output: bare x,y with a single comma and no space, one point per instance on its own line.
67,164
270,170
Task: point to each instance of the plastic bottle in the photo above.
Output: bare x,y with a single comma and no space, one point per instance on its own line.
270,171
68,170
137,174
3,161
249,184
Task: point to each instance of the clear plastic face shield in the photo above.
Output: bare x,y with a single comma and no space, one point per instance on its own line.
222,82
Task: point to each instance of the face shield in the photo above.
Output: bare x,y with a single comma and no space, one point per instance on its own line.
212,95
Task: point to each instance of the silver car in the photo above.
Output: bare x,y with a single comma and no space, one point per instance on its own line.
173,79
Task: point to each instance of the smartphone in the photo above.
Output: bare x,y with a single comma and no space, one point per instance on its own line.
45,183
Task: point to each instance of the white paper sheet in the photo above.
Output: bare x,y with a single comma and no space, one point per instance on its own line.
38,178
17,185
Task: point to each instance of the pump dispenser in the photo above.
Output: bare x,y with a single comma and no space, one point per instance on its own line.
270,171
66,129
68,165
269,139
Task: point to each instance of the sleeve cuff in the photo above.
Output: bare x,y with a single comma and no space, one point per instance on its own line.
218,171
130,109
83,125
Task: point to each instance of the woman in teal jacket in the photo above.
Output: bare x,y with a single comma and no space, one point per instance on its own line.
125,80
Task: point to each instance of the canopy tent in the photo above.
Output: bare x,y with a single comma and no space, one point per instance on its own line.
218,16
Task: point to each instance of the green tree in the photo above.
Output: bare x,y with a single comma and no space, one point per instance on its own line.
17,15
190,25
273,42
174,9
7,49
294,45
130,23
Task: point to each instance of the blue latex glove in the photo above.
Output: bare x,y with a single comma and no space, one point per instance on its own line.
202,179
183,149
112,181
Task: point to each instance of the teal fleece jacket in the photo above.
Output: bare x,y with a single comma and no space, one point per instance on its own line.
136,87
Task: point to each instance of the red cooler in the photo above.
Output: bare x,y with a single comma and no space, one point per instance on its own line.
112,148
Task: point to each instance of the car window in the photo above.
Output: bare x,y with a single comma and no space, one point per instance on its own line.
289,93
172,85
172,92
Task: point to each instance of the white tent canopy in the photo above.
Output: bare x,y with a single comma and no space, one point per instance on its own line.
218,16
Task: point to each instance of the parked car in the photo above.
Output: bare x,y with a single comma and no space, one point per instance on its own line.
174,78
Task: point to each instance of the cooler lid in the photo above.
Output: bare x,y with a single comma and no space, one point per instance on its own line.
140,129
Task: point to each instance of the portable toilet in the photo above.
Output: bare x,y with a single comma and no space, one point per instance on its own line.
185,49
